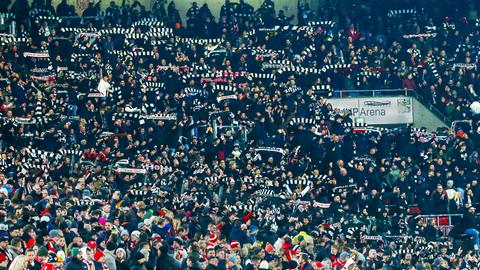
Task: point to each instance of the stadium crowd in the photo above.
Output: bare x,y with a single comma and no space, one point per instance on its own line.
133,140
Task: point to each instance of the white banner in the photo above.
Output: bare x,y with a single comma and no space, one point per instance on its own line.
377,110
131,170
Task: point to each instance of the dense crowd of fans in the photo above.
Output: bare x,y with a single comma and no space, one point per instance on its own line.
132,140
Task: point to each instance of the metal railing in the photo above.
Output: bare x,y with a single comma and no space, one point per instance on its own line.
442,222
372,92
453,127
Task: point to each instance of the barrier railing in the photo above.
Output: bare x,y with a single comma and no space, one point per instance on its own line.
442,222
373,92
456,123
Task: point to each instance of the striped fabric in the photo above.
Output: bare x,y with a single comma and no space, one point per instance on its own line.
152,22
149,84
336,66
321,87
330,24
399,12
433,69
131,35
138,193
7,16
276,64
68,152
308,50
299,182
270,193
302,121
300,70
37,11
190,91
159,32
216,179
37,153
366,74
8,39
266,52
40,18
85,202
221,87
115,31
139,116
79,29
269,76
200,41
295,28
293,89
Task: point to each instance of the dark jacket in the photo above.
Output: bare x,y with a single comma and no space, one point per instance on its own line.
122,265
237,234
74,264
470,221
167,262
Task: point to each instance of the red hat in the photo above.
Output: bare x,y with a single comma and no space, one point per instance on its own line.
213,238
92,244
30,243
286,245
318,264
210,246
234,244
3,257
98,255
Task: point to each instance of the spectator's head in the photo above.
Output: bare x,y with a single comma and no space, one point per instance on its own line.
42,253
77,253
120,254
30,255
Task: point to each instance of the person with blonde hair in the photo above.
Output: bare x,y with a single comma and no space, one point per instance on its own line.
19,263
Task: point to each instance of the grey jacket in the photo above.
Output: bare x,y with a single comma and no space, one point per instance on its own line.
110,260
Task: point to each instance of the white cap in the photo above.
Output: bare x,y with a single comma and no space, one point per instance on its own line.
45,218
263,265
148,221
136,234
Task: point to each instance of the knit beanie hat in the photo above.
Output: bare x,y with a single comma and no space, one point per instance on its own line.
42,251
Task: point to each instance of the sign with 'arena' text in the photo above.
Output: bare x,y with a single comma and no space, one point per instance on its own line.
376,110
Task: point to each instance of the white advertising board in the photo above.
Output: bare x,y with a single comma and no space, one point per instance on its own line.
377,110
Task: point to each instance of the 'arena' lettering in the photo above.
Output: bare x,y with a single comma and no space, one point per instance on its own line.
368,112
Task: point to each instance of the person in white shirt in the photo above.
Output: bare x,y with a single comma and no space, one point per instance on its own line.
104,86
